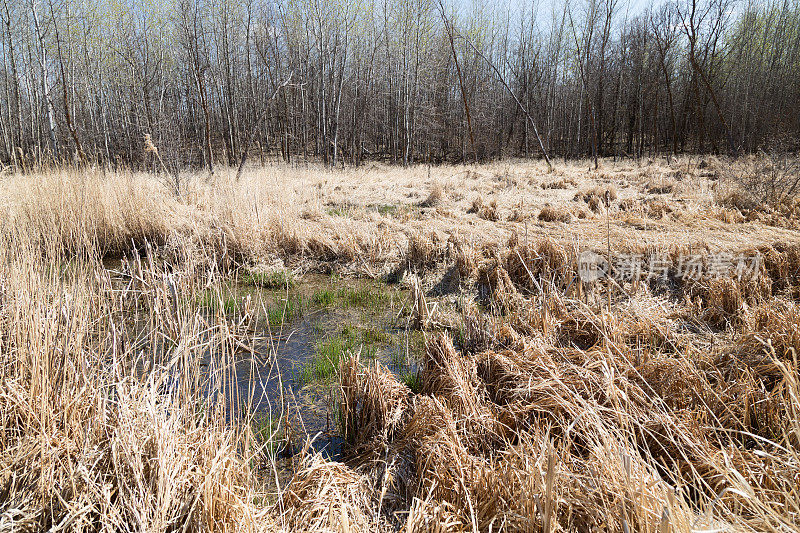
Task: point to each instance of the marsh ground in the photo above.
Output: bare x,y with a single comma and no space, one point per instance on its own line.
663,396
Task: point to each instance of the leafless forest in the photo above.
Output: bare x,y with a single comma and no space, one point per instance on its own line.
420,81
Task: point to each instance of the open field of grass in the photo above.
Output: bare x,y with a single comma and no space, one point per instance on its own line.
659,395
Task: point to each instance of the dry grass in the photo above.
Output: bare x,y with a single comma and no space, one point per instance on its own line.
657,208
661,188
284,211
560,184
435,198
86,438
597,197
546,404
555,438
326,496
483,210
554,214
737,198
518,215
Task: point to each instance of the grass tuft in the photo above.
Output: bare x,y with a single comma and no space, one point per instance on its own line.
435,197
285,311
550,213
330,351
323,298
217,301
277,279
413,381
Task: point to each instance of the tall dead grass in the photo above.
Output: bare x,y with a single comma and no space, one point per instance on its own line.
557,406
103,423
552,439
571,417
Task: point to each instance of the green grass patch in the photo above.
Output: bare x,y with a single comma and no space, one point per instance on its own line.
324,363
412,380
286,311
385,209
364,297
215,300
374,336
323,298
329,351
336,211
277,279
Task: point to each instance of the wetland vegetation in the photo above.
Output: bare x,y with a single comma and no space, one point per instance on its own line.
436,367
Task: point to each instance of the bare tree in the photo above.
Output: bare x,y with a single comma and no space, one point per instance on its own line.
392,80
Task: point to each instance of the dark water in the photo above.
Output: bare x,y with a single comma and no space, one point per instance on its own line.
271,375
262,380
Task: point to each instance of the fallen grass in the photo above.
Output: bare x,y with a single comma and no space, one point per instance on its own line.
567,406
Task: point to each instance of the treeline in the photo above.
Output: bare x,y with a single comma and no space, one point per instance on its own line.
215,81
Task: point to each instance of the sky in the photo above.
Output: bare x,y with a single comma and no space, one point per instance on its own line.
545,8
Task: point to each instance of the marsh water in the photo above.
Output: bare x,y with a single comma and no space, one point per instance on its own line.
280,370
282,377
